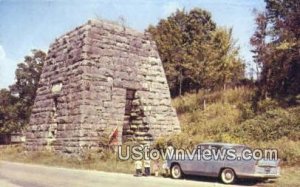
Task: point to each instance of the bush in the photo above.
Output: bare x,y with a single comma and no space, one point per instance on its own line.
192,102
246,111
182,140
214,120
267,104
230,116
288,150
272,125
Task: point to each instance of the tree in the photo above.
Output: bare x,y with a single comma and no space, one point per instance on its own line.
175,37
8,112
188,43
223,60
277,48
28,75
16,103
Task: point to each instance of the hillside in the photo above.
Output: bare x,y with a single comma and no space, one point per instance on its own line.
232,116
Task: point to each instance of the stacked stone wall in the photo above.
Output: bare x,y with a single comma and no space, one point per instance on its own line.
84,87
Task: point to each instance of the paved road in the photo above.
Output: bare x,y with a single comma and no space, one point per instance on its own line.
25,175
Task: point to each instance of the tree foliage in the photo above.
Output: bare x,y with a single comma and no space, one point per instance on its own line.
16,103
277,48
195,52
8,111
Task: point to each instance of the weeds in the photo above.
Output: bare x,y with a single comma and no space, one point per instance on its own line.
93,160
229,116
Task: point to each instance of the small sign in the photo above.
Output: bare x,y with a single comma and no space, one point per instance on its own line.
56,87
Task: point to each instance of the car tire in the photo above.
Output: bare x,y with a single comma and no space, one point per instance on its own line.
176,172
228,176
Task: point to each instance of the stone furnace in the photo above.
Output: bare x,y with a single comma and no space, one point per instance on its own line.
101,79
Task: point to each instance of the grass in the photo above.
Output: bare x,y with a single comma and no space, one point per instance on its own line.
289,177
105,161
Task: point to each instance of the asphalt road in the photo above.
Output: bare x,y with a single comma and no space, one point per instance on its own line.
26,175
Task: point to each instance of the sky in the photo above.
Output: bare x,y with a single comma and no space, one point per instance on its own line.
34,24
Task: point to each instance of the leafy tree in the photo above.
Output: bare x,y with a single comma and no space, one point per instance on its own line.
189,45
174,38
28,75
16,103
276,48
8,112
223,60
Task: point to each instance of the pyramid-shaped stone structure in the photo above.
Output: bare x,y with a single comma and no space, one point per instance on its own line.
101,79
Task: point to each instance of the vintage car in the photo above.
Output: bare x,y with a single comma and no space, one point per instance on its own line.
228,170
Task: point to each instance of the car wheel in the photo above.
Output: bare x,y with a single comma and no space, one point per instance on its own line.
176,172
228,176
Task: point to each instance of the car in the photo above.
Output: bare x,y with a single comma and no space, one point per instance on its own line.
227,169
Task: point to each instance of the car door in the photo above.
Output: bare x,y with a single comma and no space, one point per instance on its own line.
209,165
198,165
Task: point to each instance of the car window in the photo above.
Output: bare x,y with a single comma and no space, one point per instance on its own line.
238,149
207,146
215,147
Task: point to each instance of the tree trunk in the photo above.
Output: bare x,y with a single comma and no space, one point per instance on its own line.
180,82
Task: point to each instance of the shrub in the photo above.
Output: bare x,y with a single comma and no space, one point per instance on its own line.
246,111
288,150
192,102
229,116
272,125
182,140
267,104
215,119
